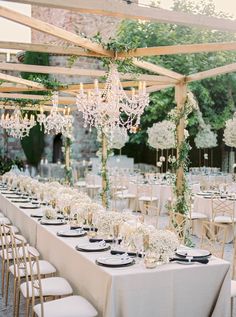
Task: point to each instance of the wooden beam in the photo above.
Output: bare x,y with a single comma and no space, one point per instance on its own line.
22,81
125,84
35,108
230,68
123,10
79,72
157,69
48,48
52,30
179,49
158,88
46,99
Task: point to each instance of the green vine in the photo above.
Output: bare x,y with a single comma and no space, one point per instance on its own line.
68,167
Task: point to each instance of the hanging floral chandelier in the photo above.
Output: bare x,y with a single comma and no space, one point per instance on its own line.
56,122
17,125
230,132
112,107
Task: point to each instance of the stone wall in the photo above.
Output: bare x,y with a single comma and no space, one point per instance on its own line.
9,146
87,25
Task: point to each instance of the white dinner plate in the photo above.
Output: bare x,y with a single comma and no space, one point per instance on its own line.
52,222
18,201
195,253
71,233
93,246
29,206
115,261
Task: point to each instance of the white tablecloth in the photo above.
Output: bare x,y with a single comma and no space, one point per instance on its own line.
170,290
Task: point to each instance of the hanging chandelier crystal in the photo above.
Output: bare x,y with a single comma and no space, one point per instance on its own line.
112,107
17,125
56,122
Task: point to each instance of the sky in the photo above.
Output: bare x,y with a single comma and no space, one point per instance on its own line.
228,6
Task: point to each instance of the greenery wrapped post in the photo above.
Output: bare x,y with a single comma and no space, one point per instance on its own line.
105,181
180,97
68,167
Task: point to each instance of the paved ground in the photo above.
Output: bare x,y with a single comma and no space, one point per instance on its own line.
8,311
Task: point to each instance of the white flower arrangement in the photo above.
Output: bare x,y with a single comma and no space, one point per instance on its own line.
206,138
162,135
205,156
230,132
162,158
162,242
118,137
105,220
159,164
49,213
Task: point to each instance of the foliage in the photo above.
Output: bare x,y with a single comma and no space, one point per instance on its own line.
216,96
33,145
6,163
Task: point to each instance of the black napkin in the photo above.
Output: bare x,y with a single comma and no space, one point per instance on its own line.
109,240
115,252
203,260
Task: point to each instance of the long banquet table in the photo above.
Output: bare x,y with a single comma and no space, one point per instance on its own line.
169,290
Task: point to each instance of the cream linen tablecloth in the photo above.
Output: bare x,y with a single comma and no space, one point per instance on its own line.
170,290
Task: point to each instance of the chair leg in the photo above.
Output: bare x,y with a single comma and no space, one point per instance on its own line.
232,306
7,287
14,294
17,301
27,309
3,277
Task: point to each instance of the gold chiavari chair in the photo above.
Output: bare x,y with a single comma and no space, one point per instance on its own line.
6,252
19,270
69,306
213,238
223,210
151,214
146,195
179,224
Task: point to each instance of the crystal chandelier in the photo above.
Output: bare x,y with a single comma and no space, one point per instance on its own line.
17,125
112,107
55,122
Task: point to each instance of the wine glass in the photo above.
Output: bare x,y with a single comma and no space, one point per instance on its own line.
138,242
116,232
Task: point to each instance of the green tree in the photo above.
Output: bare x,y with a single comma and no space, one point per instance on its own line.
216,96
33,145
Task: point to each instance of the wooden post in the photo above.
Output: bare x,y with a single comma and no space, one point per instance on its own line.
180,98
104,171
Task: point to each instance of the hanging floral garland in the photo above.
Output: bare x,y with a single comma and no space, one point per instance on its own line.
206,138
162,135
117,138
230,132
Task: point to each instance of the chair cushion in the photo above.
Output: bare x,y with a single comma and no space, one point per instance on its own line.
147,198
7,240
1,215
233,288
197,215
5,221
71,306
224,219
45,268
51,286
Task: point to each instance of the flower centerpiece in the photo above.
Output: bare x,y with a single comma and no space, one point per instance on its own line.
206,138
230,132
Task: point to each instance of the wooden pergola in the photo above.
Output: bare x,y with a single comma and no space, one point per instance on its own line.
163,78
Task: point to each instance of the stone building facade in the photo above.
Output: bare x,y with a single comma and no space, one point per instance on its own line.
87,25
